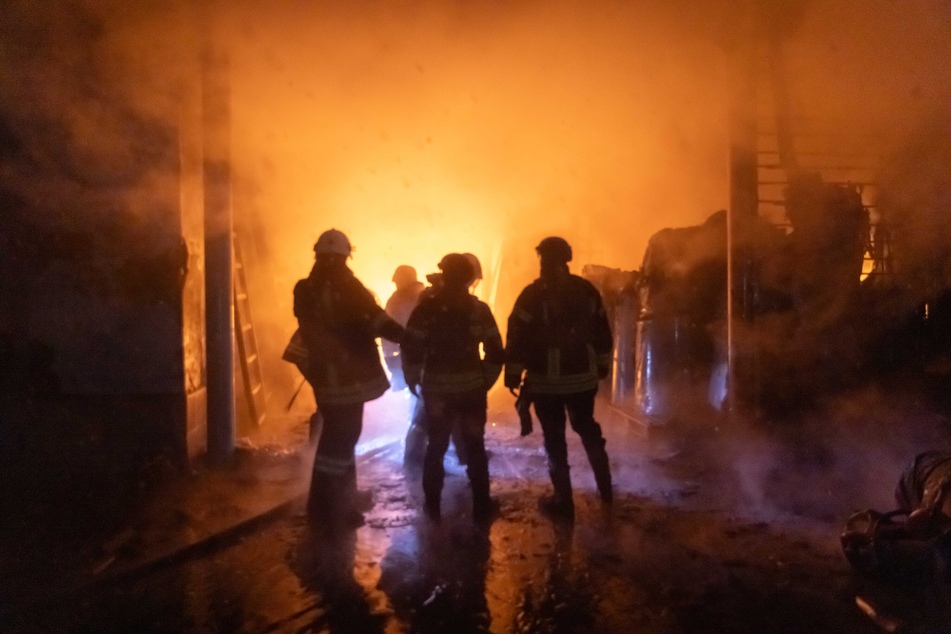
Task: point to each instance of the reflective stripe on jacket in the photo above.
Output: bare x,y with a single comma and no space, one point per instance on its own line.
559,336
339,323
441,345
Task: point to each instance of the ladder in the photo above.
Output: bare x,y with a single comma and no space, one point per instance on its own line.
787,143
249,359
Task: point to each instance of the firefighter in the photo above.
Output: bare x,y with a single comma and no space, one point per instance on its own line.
399,306
441,358
415,443
409,291
560,338
339,321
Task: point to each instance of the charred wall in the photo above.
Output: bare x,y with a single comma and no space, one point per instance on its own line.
101,257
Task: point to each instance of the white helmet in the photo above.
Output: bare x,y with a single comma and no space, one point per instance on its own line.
333,241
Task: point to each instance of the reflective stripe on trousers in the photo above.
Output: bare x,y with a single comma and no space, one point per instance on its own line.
334,478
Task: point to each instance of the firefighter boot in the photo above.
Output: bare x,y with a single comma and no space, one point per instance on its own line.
355,500
598,458
326,506
560,505
415,449
433,476
484,507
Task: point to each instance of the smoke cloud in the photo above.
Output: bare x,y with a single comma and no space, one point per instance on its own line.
421,128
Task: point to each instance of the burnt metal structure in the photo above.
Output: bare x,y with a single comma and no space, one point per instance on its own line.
742,309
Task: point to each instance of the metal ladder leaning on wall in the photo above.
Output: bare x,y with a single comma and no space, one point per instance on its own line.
248,357
787,142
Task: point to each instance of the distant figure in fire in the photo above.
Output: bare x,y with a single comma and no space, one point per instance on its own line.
339,322
399,307
560,338
441,359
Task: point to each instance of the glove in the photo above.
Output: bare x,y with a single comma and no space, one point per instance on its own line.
523,407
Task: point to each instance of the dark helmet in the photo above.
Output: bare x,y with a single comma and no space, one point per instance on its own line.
476,267
333,242
456,269
404,276
555,250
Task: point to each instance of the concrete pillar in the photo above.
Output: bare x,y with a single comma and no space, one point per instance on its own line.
219,299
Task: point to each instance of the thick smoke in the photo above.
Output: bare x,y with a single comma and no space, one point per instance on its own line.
423,128
426,127
89,155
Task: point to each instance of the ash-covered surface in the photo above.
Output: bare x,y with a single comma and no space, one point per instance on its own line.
692,544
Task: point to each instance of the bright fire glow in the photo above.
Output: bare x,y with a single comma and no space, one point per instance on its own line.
391,224
424,131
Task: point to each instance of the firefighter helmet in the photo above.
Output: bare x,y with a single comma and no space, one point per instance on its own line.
333,241
404,275
554,249
456,269
476,267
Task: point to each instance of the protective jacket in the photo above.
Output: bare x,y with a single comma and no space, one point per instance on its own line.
559,336
441,345
401,303
339,323
399,307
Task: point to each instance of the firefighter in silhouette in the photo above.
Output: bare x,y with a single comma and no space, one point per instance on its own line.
339,321
399,306
441,358
415,443
560,338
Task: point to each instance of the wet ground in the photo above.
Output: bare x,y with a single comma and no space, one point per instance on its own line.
688,546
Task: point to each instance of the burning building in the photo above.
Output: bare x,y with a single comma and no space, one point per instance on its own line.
166,167
186,126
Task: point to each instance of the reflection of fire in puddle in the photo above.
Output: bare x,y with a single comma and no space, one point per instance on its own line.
391,519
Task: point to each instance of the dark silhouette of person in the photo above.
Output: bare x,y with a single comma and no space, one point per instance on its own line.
442,360
339,321
415,443
560,339
400,306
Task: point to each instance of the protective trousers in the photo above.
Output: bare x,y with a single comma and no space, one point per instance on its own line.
468,413
415,443
550,409
334,480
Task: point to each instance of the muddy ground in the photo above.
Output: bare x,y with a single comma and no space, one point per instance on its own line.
714,529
